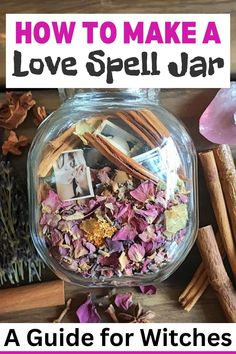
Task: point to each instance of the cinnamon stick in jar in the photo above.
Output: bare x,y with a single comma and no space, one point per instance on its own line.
227,173
216,272
219,207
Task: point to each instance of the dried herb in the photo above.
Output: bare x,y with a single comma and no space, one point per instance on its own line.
18,259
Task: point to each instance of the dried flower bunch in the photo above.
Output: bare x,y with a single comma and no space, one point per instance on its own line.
19,260
128,218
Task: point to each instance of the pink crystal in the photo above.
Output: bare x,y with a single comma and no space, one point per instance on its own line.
217,123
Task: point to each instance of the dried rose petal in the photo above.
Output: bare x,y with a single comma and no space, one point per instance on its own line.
90,247
39,114
14,111
112,260
217,123
148,289
13,143
136,253
87,313
50,219
124,301
149,234
124,211
79,249
126,233
114,246
56,237
124,261
139,224
144,192
102,175
51,203
150,213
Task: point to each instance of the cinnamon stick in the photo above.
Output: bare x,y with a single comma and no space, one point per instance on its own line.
155,123
146,125
122,161
219,207
32,296
216,272
57,142
227,173
199,283
47,162
194,289
137,128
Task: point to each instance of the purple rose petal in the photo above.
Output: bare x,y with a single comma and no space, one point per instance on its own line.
148,289
124,301
90,247
217,123
79,249
56,237
145,265
144,192
87,313
183,198
114,246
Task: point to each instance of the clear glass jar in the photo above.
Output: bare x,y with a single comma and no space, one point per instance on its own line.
112,183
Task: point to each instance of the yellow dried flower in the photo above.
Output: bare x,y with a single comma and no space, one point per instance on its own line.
96,230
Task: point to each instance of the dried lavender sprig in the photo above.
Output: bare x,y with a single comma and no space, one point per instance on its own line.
18,255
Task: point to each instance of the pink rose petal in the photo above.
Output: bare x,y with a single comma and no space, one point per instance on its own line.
102,174
217,122
148,289
144,192
52,201
126,233
87,313
149,234
124,301
136,253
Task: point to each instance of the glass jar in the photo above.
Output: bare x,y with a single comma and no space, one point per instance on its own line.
112,183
